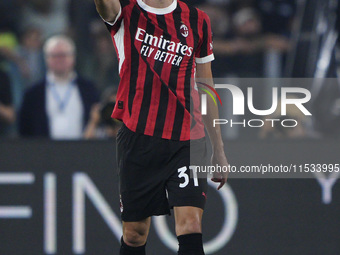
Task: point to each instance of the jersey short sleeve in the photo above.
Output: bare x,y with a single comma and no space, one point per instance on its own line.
204,52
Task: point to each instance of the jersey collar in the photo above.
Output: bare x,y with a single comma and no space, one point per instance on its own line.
159,11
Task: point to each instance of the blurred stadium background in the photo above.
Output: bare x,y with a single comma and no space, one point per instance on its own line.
45,184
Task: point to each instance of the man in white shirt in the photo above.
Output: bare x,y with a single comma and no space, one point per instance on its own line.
59,106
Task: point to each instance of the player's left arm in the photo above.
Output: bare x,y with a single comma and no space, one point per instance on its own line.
203,71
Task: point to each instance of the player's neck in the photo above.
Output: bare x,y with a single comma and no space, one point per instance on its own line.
158,3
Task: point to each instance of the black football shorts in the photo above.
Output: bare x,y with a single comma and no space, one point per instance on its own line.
155,174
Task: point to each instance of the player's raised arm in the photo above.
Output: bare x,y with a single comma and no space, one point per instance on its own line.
108,9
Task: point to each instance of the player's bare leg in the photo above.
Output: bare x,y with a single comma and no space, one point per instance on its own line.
189,230
134,237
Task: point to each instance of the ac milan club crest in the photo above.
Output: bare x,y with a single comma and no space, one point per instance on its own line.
184,30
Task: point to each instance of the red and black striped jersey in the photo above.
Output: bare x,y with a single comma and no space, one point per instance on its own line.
158,50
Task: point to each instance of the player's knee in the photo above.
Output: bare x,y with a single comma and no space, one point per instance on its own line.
134,238
188,225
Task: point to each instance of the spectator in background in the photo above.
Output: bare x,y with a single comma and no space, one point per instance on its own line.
242,49
7,112
277,15
219,18
242,53
16,68
82,14
105,62
50,16
30,52
10,10
101,125
59,106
